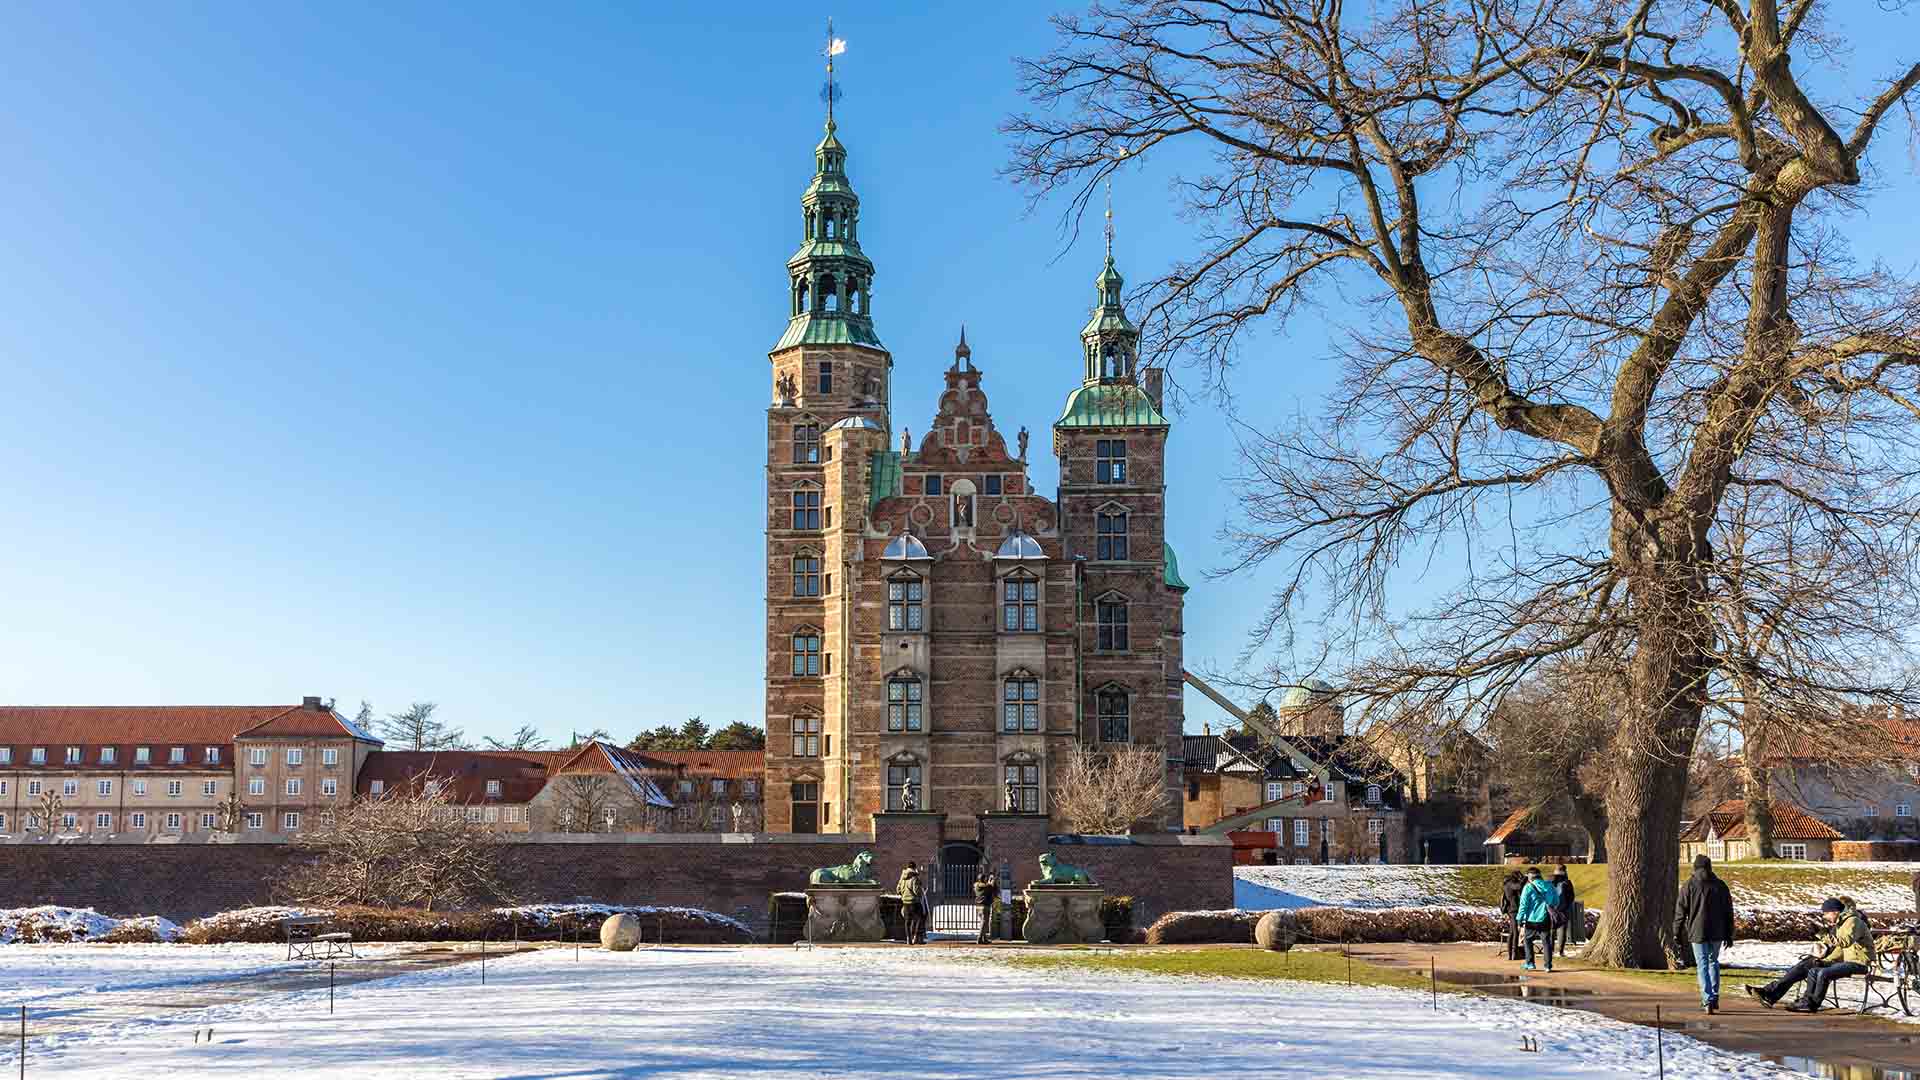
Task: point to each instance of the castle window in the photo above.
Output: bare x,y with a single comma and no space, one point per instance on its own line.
1020,603
905,593
826,366
933,484
806,652
806,735
904,704
1110,536
993,484
1115,721
1022,776
806,508
806,575
1110,461
806,806
806,444
903,774
1020,704
1110,624
830,223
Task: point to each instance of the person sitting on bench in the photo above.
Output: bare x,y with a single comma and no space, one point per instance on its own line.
1848,951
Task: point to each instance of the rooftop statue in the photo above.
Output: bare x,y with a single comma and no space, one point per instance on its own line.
857,872
1059,873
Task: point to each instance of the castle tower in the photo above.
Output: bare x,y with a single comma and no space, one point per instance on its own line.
1111,442
830,388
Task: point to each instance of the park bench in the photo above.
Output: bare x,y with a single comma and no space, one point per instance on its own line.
1893,979
309,939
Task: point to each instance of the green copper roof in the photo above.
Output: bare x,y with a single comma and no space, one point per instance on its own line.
815,328
885,481
828,249
1172,576
1110,405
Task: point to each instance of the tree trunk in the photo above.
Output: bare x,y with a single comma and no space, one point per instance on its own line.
1648,791
1759,797
1591,813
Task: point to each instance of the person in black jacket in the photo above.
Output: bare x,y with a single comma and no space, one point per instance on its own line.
1704,919
1510,891
985,891
1564,906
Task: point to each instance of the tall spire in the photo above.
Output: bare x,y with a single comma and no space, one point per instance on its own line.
1109,221
1110,337
829,280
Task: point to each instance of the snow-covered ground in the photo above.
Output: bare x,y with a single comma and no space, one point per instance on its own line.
36,972
693,1013
52,922
1262,888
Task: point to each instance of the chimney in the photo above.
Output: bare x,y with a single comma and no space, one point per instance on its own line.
310,702
1152,377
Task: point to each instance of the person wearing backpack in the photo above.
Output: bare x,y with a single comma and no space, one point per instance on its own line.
1536,913
1562,926
1704,919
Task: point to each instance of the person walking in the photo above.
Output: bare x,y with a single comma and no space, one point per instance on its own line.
911,893
1510,890
985,892
1536,915
1848,950
1563,927
1704,919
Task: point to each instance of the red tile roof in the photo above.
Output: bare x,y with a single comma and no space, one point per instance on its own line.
126,728
306,722
730,764
1729,821
1514,822
521,773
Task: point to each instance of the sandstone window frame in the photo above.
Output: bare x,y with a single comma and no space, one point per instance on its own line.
806,441
803,507
1110,461
805,646
1111,620
906,703
804,791
1112,523
1022,770
1020,702
805,729
1020,592
906,602
805,565
1113,714
904,770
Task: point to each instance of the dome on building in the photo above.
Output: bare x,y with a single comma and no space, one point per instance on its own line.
1019,545
906,546
1304,694
857,423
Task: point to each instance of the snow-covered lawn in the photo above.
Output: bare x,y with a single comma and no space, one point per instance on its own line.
785,1013
36,972
1262,888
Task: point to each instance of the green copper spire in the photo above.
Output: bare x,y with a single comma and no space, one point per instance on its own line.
1110,338
829,280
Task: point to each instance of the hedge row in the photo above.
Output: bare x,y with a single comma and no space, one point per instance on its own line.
379,924
1334,924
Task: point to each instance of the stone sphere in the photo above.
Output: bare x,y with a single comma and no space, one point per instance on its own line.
620,933
1276,930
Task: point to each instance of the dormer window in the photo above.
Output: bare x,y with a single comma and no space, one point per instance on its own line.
73,755
37,756
1373,794
142,755
177,755
493,789
107,755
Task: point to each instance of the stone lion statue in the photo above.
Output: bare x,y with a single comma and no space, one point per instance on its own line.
1059,873
857,872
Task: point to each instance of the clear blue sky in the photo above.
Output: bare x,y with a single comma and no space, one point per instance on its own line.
419,352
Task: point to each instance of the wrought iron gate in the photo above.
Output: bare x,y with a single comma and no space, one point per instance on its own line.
953,910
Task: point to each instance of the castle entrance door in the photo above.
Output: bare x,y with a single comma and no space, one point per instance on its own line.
952,895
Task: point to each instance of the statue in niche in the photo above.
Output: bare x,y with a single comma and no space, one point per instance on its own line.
787,388
963,511
1023,443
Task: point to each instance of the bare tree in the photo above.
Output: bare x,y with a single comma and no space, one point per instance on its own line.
591,802
527,737
410,847
1603,289
1111,790
1551,735
416,729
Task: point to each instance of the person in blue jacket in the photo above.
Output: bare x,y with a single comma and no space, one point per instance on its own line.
1537,902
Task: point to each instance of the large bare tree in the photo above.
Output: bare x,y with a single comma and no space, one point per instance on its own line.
412,846
1111,789
1592,249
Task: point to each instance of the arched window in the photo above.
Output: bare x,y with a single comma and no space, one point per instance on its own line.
905,789
806,443
806,652
1020,702
806,735
799,295
1110,534
809,217
1110,623
829,294
1020,603
830,225
905,596
806,507
904,703
806,574
1109,362
1022,775
1111,705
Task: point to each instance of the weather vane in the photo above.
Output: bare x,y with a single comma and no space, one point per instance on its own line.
1109,219
830,93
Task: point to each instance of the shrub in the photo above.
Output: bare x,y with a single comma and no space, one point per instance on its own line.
1203,928
1425,925
1116,914
689,926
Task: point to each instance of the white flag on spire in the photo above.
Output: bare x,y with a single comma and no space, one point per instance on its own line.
836,46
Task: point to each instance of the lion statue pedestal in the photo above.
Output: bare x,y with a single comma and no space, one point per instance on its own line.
843,903
1063,906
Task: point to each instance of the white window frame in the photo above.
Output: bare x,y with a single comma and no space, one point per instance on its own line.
1790,851
73,755
329,787
137,820
1376,826
33,787
37,756
256,820
1302,832
257,756
1275,791
107,754
69,821
174,789
257,785
143,755
213,755
102,788
173,822
1904,809
329,757
296,756
209,820
69,789
1373,794
493,789
293,785
176,755
290,821
139,789
102,820
376,787
210,788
